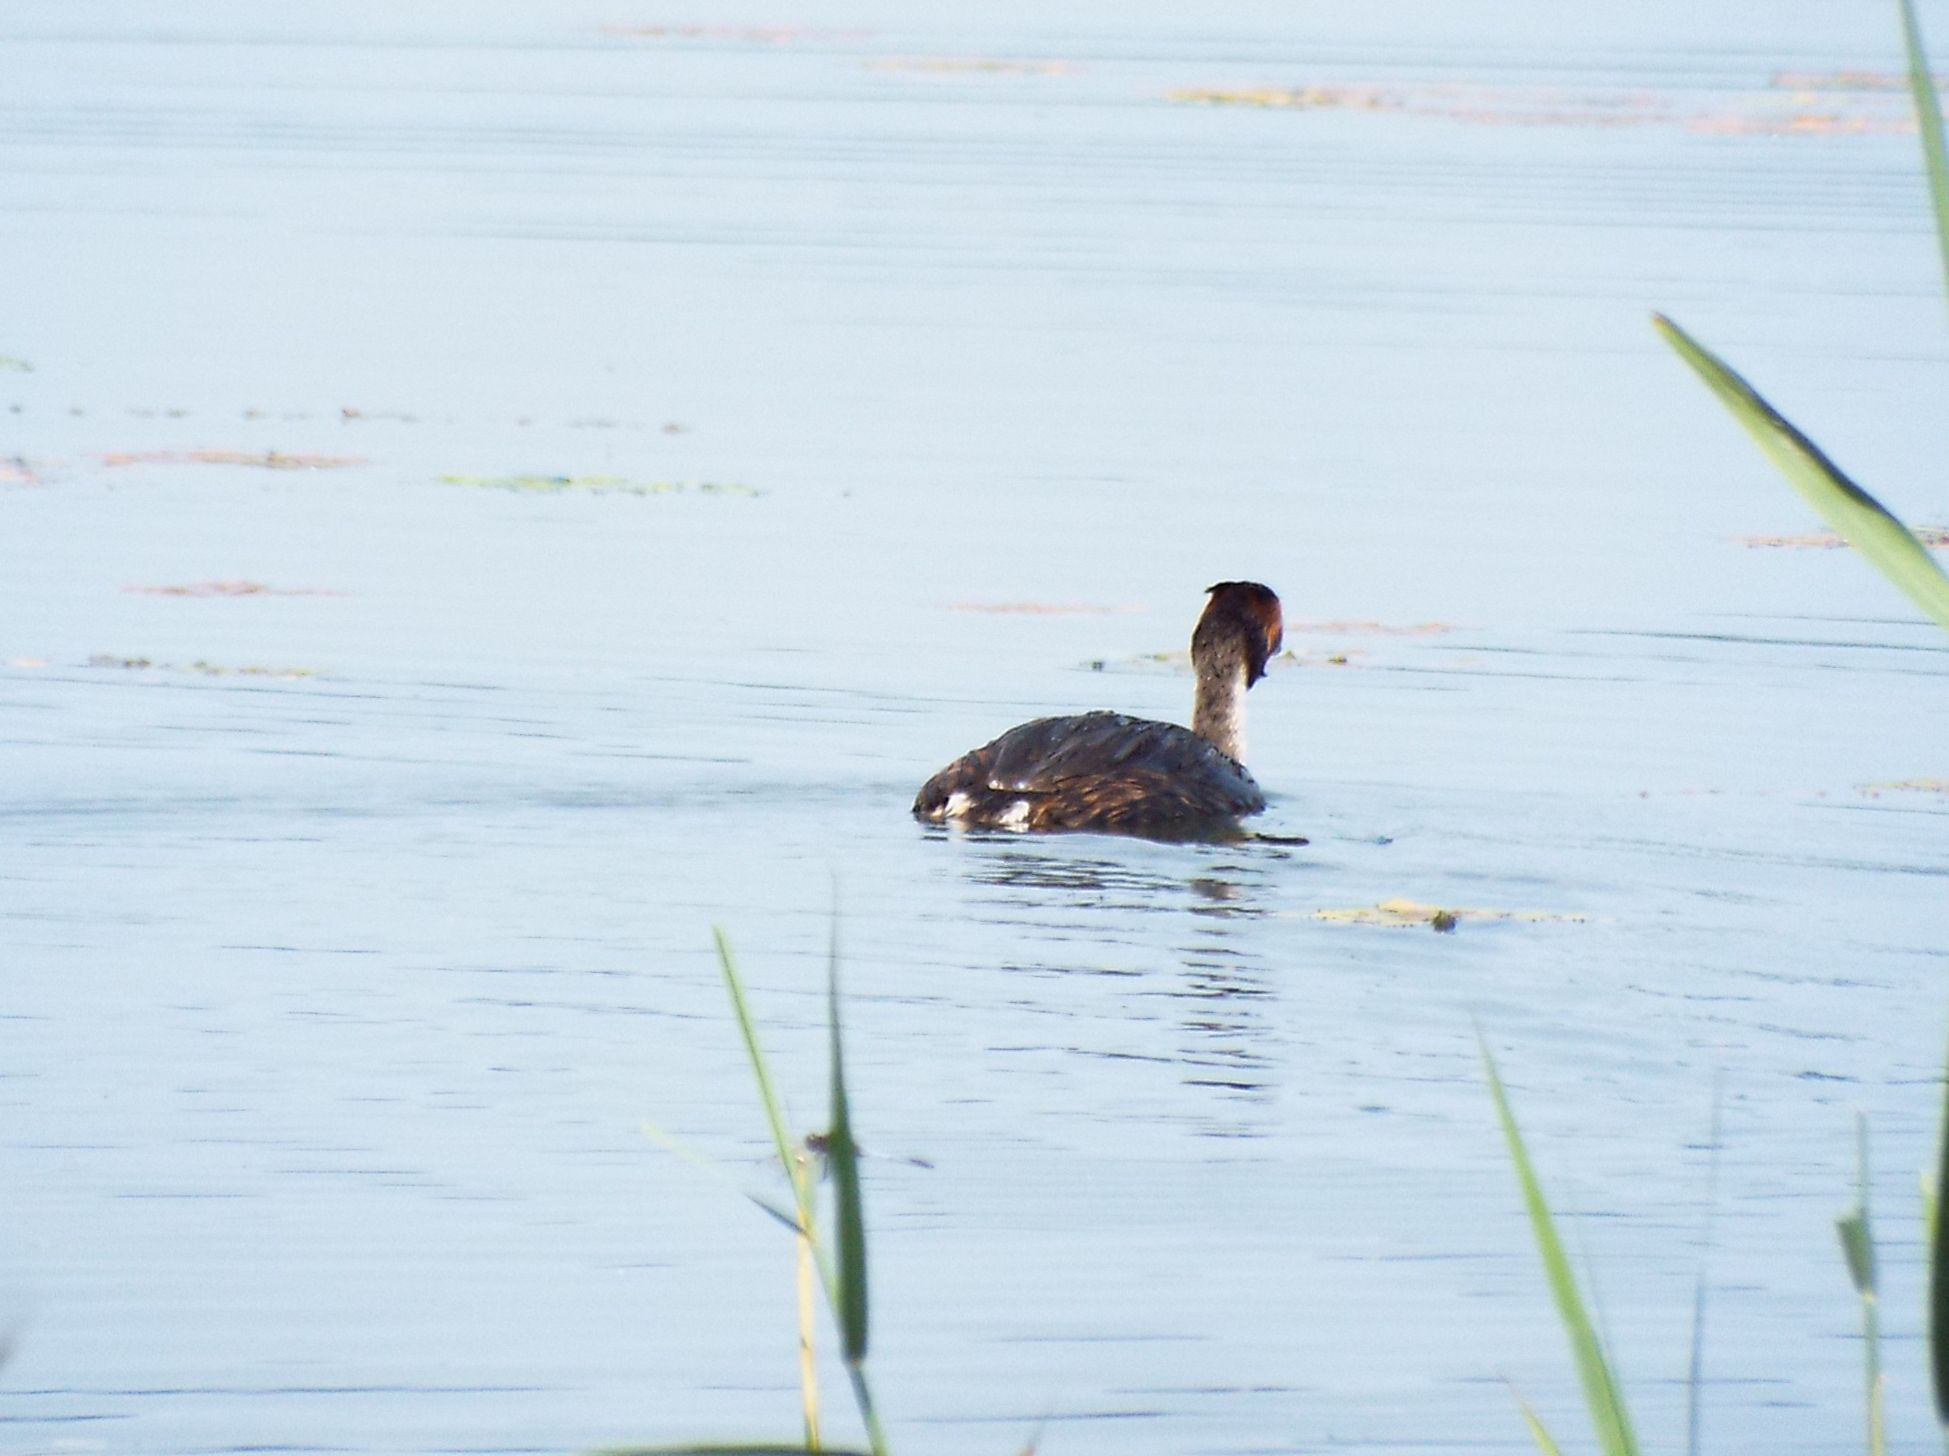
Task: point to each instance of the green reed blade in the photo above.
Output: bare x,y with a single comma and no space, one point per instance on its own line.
1939,1270
1858,1242
800,1220
1861,519
728,1448
1695,1364
1538,1432
1601,1394
842,1156
1928,117
760,1070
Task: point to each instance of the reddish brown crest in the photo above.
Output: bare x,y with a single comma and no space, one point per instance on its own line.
1255,609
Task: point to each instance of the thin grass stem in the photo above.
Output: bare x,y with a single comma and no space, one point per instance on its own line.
808,1354
1695,1364
1939,1272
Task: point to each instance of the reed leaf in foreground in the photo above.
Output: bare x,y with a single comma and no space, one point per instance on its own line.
846,1287
1695,1364
1928,117
1858,1243
1861,519
800,1177
1938,1229
1935,158
730,1448
849,1217
1538,1432
1601,1394
760,1070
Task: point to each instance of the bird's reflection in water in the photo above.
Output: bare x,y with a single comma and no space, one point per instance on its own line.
1186,914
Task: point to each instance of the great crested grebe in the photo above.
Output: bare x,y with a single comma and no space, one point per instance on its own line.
1106,771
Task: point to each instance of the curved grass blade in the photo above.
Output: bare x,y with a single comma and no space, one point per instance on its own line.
760,1071
842,1158
1601,1394
849,1216
1538,1432
800,1219
1859,517
1928,117
1939,1271
728,1448
1695,1365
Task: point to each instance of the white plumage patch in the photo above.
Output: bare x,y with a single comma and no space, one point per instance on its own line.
960,808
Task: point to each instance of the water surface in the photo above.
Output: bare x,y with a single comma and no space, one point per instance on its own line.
354,927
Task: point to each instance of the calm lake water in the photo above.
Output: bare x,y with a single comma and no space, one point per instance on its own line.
368,808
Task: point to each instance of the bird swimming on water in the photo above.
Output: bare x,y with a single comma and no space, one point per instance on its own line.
1111,772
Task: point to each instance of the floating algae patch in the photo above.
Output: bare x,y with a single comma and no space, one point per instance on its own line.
1310,98
767,35
1845,81
1489,105
1907,786
230,589
1822,111
601,485
973,66
200,667
14,364
1934,537
1040,609
1372,629
259,459
1399,914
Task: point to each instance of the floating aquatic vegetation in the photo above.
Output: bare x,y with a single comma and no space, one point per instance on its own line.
1402,913
1906,786
974,65
1040,609
205,669
14,364
230,589
602,485
1841,81
1934,537
738,34
1776,112
261,459
1506,106
1341,98
1373,629
1800,123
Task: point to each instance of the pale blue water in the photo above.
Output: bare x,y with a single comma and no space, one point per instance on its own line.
336,998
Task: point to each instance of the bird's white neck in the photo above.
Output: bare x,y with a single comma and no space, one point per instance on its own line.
1218,711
